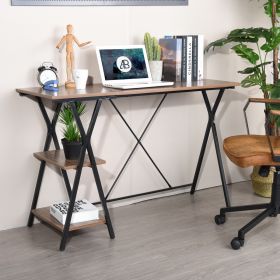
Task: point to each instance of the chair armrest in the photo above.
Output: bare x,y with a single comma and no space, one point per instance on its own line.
266,101
275,112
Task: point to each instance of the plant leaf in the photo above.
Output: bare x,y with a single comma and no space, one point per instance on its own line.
250,81
250,70
268,7
218,43
272,38
71,133
66,117
241,35
248,35
245,52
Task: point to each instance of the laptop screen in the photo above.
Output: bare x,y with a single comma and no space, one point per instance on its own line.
123,64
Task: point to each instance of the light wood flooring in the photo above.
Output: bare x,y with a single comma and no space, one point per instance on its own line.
171,238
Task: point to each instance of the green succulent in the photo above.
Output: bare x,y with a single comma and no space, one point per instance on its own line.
70,130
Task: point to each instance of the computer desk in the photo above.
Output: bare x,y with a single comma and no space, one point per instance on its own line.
99,93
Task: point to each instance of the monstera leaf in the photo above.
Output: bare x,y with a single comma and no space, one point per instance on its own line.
272,38
247,35
244,35
245,52
256,45
255,69
250,81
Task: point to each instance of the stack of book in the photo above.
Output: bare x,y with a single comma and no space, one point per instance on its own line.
83,211
182,58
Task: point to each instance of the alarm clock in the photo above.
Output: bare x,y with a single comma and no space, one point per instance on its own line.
46,73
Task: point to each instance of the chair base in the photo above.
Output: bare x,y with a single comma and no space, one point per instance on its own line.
272,209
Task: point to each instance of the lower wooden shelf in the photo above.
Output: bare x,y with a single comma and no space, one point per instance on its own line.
43,214
57,158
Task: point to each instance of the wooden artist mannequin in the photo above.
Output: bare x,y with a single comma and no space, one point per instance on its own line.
69,39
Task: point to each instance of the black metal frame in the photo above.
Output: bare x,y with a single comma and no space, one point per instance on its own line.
85,136
210,126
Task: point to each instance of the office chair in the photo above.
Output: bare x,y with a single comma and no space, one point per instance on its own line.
254,150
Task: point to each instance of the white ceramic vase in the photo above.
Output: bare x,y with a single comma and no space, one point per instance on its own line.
156,69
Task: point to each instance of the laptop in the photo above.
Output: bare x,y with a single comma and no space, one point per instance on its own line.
126,67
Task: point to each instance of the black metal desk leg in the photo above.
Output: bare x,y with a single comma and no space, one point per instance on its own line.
211,126
50,129
63,172
72,199
85,139
86,146
201,155
93,163
220,163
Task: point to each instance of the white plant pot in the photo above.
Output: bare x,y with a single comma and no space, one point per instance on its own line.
156,69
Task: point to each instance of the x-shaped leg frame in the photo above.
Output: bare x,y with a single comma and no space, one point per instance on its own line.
85,147
211,126
51,135
138,143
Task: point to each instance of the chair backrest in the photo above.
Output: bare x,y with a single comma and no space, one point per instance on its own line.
253,150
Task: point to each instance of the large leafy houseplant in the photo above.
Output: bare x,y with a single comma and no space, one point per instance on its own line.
259,47
72,138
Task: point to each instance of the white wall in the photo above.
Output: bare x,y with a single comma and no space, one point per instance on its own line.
28,37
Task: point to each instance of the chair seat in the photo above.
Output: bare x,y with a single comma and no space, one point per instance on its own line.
251,150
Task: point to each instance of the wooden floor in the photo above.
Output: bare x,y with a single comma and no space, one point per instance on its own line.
169,238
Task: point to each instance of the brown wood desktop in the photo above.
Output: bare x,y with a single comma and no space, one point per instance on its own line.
99,93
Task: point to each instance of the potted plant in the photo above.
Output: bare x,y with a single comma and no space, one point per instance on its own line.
154,56
72,138
259,47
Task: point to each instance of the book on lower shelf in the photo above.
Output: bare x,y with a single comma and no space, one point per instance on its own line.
83,211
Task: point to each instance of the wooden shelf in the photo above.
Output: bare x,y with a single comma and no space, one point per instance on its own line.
43,214
57,158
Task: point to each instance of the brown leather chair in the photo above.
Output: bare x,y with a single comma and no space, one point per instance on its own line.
254,150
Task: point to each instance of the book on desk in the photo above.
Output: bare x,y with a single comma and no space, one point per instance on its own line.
182,57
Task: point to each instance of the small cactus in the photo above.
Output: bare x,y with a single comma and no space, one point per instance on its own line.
152,47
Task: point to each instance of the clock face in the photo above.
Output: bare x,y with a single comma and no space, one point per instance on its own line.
47,75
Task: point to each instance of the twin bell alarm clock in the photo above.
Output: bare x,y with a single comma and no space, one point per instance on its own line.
47,76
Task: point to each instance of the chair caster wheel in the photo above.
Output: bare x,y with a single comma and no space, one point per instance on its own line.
236,243
220,219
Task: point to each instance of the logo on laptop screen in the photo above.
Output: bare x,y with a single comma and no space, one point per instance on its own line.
124,64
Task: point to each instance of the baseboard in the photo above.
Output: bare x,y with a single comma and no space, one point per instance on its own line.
131,201
143,198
